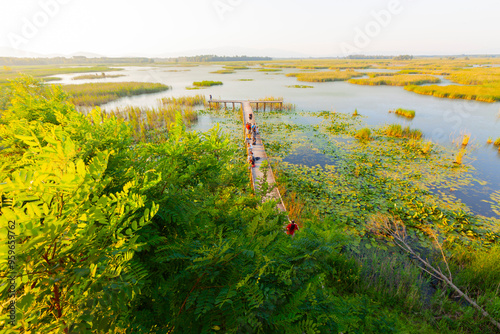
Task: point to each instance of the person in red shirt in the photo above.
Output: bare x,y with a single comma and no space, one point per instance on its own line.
291,228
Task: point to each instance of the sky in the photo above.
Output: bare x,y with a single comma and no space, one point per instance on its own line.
278,28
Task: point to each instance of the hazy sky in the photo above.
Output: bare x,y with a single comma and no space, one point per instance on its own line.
294,27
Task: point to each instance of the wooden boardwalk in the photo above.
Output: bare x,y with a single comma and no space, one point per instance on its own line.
256,102
259,152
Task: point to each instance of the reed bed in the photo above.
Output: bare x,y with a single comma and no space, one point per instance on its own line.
97,76
488,93
223,72
404,112
396,80
93,94
44,71
206,83
236,67
186,101
396,130
476,76
325,76
363,134
150,122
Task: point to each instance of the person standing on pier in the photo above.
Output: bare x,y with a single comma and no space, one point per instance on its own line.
291,228
249,128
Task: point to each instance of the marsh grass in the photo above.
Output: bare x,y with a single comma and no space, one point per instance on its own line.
153,123
396,80
236,67
485,93
325,76
228,71
390,276
97,76
404,112
44,71
363,135
396,130
206,83
187,101
93,94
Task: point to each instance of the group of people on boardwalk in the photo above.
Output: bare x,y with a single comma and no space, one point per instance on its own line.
251,132
251,139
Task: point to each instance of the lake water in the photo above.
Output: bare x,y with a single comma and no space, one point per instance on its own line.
441,120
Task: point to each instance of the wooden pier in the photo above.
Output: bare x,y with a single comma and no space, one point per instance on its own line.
259,173
250,102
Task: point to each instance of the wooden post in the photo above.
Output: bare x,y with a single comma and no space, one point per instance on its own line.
233,105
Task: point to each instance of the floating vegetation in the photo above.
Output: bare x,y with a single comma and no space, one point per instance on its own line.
93,94
396,80
186,70
269,70
245,79
97,76
404,112
497,142
300,86
325,76
206,83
